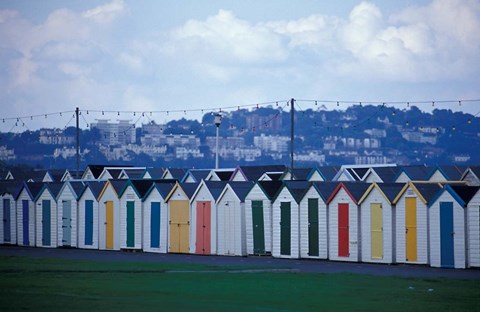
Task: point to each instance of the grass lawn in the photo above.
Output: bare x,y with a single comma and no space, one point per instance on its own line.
67,285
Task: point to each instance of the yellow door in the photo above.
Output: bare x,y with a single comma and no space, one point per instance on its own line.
376,225
109,224
411,228
179,226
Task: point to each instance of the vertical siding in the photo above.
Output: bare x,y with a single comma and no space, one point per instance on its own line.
437,177
373,177
316,177
473,236
402,178
53,220
155,196
67,195
322,226
458,228
130,195
257,194
31,221
376,197
87,195
13,220
285,196
422,230
471,179
203,194
343,197
109,195
231,229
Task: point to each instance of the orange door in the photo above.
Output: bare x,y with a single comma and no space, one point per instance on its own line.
411,228
109,224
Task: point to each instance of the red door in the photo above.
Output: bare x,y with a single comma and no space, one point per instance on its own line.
343,230
203,228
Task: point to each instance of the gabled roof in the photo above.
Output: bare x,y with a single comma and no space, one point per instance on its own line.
386,174
301,174
114,172
96,170
140,187
32,188
10,187
196,174
388,190
95,187
451,173
351,176
240,188
296,188
215,188
325,189
425,191
54,188
414,173
176,173
464,192
274,176
163,187
328,172
270,188
189,188
155,173
253,173
118,185
77,187
354,189
224,175
134,173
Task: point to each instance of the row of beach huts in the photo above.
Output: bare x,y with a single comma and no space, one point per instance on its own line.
377,214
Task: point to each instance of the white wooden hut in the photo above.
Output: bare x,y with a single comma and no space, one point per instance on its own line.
155,217
411,222
67,216
313,220
25,201
377,214
8,213
88,214
231,236
472,176
473,231
285,219
46,215
203,237
343,221
109,215
258,216
447,226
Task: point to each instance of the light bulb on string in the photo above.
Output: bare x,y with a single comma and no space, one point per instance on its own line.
118,113
469,121
433,104
103,113
87,112
133,113
276,103
408,104
407,123
60,114
459,103
338,104
453,128
45,115
316,103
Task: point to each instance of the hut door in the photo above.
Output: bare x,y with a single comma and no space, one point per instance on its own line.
376,227
285,228
46,224
109,224
411,228
67,223
446,235
313,227
6,220
179,226
258,227
155,225
89,222
229,226
130,224
26,240
343,231
203,228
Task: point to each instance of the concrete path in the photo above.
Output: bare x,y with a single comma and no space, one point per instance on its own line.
303,265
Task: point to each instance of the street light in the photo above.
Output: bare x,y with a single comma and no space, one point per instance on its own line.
218,121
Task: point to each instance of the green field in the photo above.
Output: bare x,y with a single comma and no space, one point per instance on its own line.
40,284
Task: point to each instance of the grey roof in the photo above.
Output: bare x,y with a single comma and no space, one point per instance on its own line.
415,173
134,173
177,173
114,172
387,174
56,174
275,176
297,188
361,171
54,187
241,189
95,187
465,192
189,188
325,189
428,190
156,173
34,188
10,187
215,188
118,185
391,190
328,172
253,173
77,187
198,174
356,189
224,175
164,188
301,174
475,170
270,188
141,186
452,173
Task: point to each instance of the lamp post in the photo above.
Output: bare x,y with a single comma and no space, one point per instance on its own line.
218,121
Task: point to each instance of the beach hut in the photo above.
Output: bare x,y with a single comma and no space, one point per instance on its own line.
203,238
195,175
411,173
377,214
254,173
25,201
174,173
88,214
472,176
155,217
381,174
411,222
8,228
179,217
231,236
313,220
109,215
46,215
473,231
67,202
258,216
447,226
343,221
446,173
285,219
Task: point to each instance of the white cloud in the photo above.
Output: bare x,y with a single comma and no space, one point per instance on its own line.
105,13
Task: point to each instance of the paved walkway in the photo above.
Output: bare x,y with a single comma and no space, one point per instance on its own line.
303,265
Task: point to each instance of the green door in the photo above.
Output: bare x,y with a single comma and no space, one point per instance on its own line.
313,227
258,228
130,224
285,226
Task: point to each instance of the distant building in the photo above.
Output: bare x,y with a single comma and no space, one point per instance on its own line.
7,154
256,121
272,143
55,136
122,132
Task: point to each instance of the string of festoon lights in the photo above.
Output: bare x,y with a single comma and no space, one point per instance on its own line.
20,122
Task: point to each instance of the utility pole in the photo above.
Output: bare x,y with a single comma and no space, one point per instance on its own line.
292,133
217,121
77,134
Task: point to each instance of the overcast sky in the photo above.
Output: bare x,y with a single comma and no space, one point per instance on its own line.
158,55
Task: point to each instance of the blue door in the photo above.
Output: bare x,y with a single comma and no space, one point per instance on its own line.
89,222
6,220
446,235
46,222
155,225
26,240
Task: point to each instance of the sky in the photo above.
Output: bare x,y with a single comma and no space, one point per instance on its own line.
123,55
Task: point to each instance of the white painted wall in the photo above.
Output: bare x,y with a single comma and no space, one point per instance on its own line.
87,195
473,231
31,218
231,235
13,219
322,226
130,195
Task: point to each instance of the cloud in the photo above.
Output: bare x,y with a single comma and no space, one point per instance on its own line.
105,13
